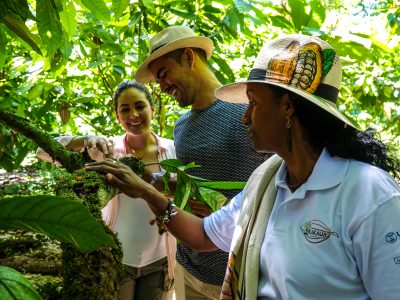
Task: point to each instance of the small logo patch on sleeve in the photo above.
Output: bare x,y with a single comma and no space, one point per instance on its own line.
392,237
397,260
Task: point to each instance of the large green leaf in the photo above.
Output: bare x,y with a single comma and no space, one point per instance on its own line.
148,4
222,185
16,25
214,199
68,17
298,13
98,8
242,6
21,8
49,26
13,286
318,14
171,165
59,218
3,50
119,7
182,191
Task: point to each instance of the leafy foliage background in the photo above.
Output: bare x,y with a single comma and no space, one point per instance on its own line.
60,60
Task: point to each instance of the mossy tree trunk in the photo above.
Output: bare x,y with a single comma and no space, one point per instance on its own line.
69,159
92,275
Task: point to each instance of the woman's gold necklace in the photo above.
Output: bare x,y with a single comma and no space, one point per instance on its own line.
133,152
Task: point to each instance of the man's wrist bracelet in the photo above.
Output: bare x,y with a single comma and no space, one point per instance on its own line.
165,218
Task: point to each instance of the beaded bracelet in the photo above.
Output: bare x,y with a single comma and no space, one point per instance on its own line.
165,218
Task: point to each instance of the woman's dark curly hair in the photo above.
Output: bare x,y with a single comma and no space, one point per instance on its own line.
324,130
126,84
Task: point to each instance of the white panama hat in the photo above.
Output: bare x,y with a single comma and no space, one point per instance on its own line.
305,65
168,40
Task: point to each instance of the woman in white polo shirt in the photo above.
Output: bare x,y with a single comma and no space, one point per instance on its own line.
319,220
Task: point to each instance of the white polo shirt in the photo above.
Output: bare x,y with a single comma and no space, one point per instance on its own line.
336,237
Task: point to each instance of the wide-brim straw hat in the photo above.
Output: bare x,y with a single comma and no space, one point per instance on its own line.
168,40
304,65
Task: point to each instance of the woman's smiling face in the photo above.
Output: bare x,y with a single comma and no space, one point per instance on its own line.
134,111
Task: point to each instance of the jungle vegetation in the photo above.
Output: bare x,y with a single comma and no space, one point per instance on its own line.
60,61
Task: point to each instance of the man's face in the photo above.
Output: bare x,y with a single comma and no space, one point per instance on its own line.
174,79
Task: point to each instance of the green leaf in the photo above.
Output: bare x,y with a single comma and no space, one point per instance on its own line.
318,14
118,7
223,185
98,8
171,165
298,13
7,162
224,67
215,200
242,6
142,50
49,26
68,18
16,25
21,8
190,166
329,57
211,9
232,21
148,4
166,178
182,191
3,50
13,285
59,218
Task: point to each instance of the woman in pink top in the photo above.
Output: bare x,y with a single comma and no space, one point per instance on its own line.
147,255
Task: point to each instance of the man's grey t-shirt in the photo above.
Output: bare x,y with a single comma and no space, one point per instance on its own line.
216,139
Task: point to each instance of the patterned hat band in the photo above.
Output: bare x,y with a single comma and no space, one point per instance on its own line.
324,91
304,65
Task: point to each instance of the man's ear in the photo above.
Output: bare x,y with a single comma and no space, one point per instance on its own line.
153,111
188,57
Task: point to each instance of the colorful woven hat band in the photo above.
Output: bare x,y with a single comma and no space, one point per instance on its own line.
309,64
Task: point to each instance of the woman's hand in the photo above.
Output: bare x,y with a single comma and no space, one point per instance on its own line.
102,143
199,208
120,176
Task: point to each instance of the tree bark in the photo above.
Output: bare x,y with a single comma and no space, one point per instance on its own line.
70,160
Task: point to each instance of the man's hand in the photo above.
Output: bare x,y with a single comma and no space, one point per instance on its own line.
199,208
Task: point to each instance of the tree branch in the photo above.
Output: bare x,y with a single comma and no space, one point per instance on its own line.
71,160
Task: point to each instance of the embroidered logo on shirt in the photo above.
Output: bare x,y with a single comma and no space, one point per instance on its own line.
391,237
315,231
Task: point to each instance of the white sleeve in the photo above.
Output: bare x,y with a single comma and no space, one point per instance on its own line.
220,225
377,250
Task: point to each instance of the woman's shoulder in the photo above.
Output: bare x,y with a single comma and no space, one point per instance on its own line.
372,179
165,144
164,141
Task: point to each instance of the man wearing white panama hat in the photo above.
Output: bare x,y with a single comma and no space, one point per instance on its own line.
319,220
211,134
